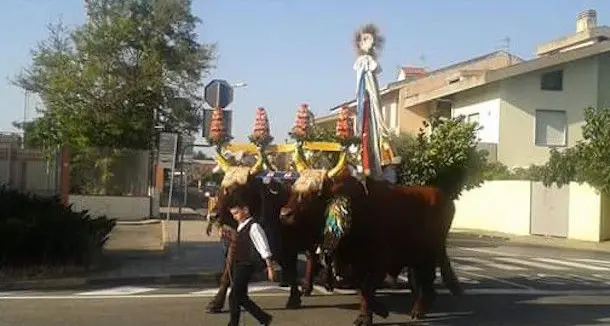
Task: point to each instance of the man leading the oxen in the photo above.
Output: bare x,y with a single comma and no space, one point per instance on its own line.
250,243
248,181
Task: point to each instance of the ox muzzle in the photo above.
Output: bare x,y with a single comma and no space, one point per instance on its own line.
286,215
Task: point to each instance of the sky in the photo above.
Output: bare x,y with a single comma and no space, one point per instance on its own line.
290,52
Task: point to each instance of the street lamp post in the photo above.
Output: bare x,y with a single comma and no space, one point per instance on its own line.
239,85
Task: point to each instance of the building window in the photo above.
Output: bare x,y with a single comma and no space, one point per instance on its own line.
443,107
552,81
551,128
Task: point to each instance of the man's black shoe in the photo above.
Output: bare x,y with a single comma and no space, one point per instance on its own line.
268,322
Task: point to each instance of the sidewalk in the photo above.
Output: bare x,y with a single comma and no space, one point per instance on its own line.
149,254
197,257
533,240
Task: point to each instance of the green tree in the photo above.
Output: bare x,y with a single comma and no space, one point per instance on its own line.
106,82
134,64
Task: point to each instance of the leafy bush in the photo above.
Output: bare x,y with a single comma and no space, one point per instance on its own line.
589,160
447,158
499,171
38,231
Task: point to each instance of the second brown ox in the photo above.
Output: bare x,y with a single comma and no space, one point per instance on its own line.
390,228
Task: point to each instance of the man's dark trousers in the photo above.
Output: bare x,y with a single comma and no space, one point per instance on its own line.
242,273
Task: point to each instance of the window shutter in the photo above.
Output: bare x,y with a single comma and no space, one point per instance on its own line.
551,127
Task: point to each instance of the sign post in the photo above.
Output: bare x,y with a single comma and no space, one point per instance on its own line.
167,149
168,145
217,94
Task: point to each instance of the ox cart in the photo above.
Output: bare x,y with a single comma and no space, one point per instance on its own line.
346,211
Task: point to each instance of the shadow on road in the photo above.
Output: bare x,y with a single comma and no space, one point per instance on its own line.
531,310
468,310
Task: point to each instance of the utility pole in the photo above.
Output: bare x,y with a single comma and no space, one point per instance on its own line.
25,115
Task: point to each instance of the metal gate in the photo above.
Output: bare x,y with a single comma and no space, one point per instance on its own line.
550,210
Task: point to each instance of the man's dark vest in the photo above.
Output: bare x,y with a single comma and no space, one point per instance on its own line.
245,251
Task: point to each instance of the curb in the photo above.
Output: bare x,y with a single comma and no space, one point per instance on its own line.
533,241
140,222
47,284
209,279
471,234
206,279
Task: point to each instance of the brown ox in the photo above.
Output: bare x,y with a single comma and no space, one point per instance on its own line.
389,228
265,200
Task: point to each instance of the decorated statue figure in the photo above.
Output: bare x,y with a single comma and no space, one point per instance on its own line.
376,150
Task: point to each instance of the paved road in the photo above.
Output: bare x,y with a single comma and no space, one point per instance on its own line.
487,309
505,285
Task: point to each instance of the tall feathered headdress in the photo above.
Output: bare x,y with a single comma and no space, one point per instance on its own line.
378,40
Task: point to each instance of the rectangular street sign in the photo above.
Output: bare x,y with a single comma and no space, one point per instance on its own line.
167,149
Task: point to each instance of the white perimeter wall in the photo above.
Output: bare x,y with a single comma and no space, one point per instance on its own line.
505,206
122,208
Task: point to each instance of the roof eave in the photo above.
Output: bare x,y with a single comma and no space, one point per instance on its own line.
511,71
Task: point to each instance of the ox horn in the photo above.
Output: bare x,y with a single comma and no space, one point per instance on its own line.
258,166
298,158
340,165
222,161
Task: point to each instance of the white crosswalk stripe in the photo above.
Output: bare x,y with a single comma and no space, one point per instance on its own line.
512,263
121,290
251,289
487,262
572,264
596,261
524,262
468,268
439,279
